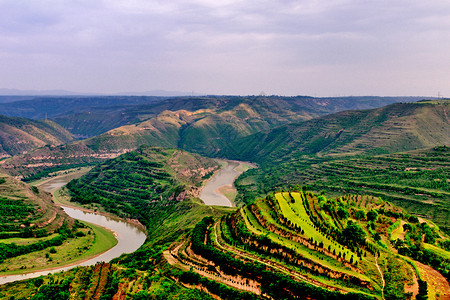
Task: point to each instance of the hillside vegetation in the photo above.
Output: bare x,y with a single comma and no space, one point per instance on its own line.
18,135
150,184
390,129
297,244
210,126
27,211
416,180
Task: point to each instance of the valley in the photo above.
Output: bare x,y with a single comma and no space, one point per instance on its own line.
337,199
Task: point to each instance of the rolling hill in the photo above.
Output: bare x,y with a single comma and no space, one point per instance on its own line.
93,115
414,180
36,234
19,135
27,211
205,126
393,128
252,129
150,184
94,120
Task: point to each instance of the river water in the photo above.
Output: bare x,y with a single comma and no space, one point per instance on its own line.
210,194
129,237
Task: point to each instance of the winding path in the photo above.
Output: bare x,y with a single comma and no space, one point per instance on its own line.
382,277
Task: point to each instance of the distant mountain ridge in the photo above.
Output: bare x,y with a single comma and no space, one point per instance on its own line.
17,92
87,116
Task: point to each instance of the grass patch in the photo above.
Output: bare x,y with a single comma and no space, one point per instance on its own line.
27,241
104,240
439,251
398,232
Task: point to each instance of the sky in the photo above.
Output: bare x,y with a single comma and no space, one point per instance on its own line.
304,47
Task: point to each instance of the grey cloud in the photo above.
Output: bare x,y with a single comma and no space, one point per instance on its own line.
225,46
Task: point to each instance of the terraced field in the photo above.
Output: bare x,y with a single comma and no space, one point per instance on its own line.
417,181
299,245
26,211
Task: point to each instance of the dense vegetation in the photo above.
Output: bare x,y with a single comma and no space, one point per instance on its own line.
100,282
25,211
149,184
329,235
35,234
299,245
415,180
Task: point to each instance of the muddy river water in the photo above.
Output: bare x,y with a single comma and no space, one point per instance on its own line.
211,194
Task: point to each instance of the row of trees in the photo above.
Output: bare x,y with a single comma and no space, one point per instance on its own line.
13,250
276,285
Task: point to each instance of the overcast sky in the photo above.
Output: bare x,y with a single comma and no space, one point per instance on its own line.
322,48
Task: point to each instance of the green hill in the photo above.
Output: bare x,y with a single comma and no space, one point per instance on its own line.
209,127
415,180
390,129
206,125
27,211
19,135
35,234
160,188
289,244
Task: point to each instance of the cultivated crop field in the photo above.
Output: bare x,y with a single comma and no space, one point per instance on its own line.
342,247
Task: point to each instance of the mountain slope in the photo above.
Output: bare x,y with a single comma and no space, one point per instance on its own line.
393,128
89,121
202,130
27,211
19,135
93,115
414,180
300,245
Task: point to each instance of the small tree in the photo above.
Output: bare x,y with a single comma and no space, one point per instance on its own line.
372,215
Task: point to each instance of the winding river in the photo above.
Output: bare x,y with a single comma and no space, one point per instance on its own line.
211,193
129,236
